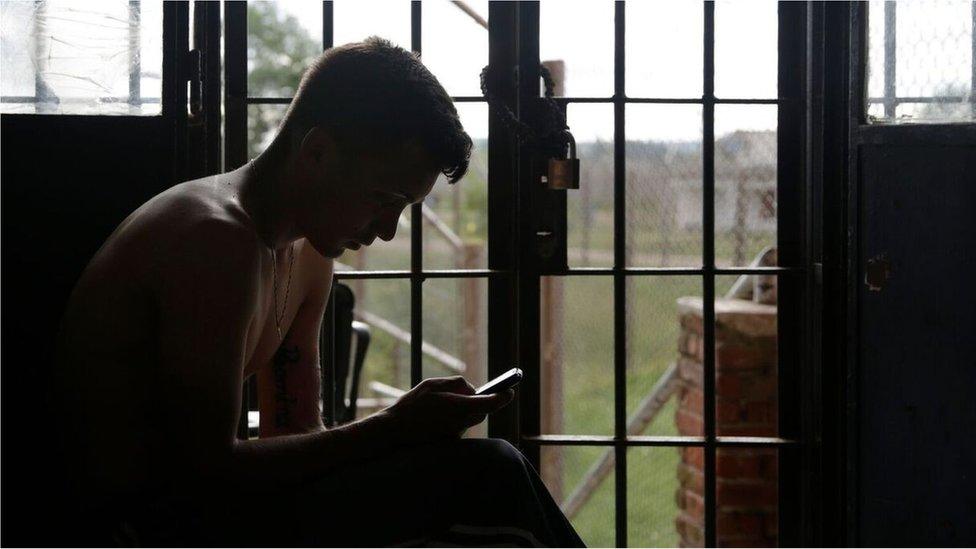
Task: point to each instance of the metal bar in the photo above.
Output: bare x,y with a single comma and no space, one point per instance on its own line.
448,360
468,99
889,59
972,59
416,244
708,262
662,441
328,25
681,271
791,211
235,84
268,100
918,99
528,288
135,50
668,100
857,56
502,187
619,281
69,100
440,273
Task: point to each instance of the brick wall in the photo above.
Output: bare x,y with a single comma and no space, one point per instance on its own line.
746,391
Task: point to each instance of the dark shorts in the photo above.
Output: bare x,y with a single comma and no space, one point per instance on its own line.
472,492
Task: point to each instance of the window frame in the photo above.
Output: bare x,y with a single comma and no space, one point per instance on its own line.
514,268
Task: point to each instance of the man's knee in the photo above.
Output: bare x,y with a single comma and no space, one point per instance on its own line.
494,453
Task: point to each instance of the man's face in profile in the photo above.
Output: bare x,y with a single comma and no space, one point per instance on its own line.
360,198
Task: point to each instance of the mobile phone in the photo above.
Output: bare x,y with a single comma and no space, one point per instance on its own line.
501,383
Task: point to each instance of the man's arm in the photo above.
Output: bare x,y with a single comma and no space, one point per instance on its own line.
289,388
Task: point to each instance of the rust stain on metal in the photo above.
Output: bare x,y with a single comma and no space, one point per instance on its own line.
877,272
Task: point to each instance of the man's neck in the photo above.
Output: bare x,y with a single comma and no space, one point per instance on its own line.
264,193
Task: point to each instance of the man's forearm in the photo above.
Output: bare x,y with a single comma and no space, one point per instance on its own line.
267,464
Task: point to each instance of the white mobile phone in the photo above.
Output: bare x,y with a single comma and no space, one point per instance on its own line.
501,383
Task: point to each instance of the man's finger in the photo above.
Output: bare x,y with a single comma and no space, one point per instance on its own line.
482,404
454,384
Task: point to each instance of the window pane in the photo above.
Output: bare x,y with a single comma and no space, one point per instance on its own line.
581,480
456,216
745,182
664,49
262,126
456,332
576,346
61,57
455,45
932,60
664,185
659,353
355,21
282,39
661,512
746,46
589,210
580,34
384,306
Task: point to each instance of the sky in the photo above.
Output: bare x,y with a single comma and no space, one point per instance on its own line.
663,52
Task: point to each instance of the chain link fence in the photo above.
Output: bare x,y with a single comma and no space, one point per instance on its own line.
921,61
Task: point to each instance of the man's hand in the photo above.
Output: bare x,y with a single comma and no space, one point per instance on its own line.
439,408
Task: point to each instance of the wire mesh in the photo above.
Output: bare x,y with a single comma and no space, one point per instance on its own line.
920,61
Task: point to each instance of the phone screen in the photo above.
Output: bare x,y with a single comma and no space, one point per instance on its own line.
505,381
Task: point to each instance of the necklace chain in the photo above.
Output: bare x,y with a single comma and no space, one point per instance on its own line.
274,270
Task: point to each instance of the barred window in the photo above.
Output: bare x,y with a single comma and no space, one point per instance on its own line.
921,64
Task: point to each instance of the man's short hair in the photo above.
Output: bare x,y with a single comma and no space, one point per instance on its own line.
373,96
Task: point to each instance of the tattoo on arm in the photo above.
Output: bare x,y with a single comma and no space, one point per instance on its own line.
283,402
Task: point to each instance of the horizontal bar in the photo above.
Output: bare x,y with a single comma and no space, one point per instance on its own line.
680,271
287,100
595,440
268,100
406,274
74,100
930,99
670,100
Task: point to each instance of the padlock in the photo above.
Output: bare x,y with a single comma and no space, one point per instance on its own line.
564,172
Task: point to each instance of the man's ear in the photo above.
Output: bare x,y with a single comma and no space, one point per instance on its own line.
318,147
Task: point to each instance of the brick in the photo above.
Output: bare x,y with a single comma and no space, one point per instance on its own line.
692,322
758,412
691,346
759,386
692,532
728,411
732,525
743,429
694,457
728,384
691,478
692,399
694,505
690,371
739,357
689,423
729,465
771,526
746,494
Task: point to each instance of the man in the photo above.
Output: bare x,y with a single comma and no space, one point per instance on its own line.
226,277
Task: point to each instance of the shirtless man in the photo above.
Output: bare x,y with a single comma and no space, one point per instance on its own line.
200,287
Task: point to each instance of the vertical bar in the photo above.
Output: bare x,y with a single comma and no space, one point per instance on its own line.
528,316
889,59
416,242
972,60
328,25
708,260
502,194
135,50
235,84
619,280
794,407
